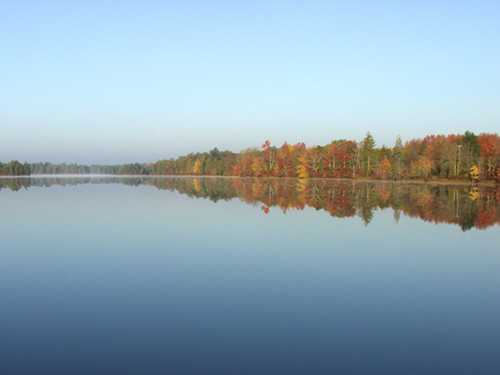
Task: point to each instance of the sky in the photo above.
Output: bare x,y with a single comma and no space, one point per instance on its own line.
114,82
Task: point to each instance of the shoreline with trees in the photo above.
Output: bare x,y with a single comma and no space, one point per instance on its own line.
15,168
434,158
454,157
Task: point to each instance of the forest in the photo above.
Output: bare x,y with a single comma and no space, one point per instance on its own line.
436,157
49,168
15,168
452,157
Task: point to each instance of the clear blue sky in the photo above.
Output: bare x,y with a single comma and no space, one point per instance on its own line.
136,81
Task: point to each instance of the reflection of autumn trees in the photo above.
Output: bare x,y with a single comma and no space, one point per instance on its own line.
451,204
466,206
338,202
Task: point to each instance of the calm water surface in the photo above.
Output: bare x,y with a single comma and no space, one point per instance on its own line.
109,278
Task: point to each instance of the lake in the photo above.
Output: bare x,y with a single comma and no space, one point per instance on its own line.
157,275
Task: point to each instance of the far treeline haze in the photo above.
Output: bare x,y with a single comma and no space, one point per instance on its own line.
456,156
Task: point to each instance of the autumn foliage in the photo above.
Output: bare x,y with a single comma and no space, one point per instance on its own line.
468,207
450,157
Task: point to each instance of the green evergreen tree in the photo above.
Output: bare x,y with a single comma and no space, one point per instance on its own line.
368,152
398,159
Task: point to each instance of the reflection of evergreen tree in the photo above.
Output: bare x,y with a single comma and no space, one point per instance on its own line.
397,200
366,214
214,198
468,213
366,203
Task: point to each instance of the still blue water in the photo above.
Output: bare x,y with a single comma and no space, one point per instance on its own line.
115,279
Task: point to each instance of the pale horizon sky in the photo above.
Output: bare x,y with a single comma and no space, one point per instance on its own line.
114,82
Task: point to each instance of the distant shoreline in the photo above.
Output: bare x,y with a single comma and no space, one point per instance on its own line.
417,181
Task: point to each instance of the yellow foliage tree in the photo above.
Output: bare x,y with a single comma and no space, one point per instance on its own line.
474,173
302,168
197,167
302,172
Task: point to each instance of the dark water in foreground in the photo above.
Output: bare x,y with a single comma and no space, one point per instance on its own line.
142,276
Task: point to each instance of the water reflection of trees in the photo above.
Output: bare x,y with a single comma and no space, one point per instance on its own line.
16,184
466,206
462,205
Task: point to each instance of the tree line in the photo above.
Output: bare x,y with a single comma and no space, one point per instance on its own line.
15,168
456,156
49,168
125,169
